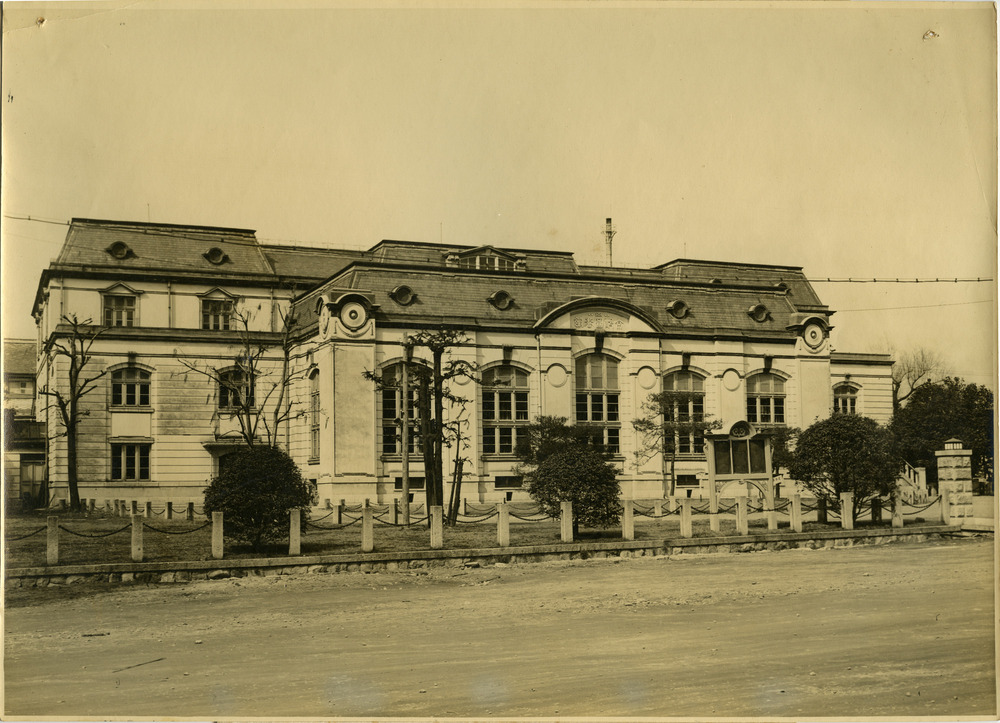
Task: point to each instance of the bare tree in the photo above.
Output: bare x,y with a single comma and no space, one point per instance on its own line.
912,370
74,345
432,391
250,390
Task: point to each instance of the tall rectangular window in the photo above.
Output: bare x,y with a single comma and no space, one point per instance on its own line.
596,382
392,410
765,399
130,461
504,408
119,310
314,416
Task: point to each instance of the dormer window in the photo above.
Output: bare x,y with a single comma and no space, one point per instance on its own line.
678,309
486,258
759,313
216,256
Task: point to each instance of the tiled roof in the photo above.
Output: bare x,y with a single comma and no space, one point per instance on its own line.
309,263
459,296
737,273
162,247
410,252
18,356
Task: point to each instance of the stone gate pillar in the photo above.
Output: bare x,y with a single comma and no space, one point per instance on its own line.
955,480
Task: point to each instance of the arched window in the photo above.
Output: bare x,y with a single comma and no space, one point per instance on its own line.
505,408
845,399
765,399
130,387
314,415
684,403
597,392
236,390
392,409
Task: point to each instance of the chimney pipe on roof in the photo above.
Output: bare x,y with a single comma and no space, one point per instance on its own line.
609,234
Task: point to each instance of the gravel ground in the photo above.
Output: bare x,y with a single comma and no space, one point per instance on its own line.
901,630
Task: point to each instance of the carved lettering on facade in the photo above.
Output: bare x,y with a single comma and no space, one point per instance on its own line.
598,321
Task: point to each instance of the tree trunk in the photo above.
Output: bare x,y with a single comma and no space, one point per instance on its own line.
71,475
439,426
426,441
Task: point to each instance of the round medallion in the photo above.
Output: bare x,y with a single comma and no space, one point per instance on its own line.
556,374
646,378
353,315
813,335
731,380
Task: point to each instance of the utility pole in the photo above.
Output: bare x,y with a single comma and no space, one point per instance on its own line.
405,402
609,234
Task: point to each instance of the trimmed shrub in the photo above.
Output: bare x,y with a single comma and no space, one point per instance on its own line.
583,477
258,488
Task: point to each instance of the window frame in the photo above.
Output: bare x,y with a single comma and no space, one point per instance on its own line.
509,403
598,405
140,388
845,392
244,389
771,400
220,319
693,444
109,312
136,455
390,397
314,435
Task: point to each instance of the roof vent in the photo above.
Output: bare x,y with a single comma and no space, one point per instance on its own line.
120,250
501,300
678,309
403,295
216,256
759,313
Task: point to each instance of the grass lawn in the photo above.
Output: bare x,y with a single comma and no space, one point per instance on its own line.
100,538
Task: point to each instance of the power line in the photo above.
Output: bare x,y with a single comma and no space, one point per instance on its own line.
921,306
38,220
900,281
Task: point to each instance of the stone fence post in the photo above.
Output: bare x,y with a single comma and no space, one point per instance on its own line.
217,543
566,521
52,540
295,532
796,513
368,528
628,520
686,526
955,482
437,527
137,538
847,510
503,525
742,523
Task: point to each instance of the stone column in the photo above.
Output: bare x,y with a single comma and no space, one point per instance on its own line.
772,514
955,481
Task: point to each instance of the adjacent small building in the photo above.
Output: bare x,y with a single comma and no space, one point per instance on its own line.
25,476
748,343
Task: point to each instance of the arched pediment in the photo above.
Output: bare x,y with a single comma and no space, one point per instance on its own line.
599,313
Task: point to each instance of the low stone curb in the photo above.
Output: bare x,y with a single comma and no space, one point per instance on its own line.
166,572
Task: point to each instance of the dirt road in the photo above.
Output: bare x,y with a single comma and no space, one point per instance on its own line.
903,630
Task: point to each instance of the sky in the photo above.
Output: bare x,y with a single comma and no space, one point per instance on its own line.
854,140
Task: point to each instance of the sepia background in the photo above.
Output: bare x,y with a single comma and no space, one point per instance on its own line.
856,141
